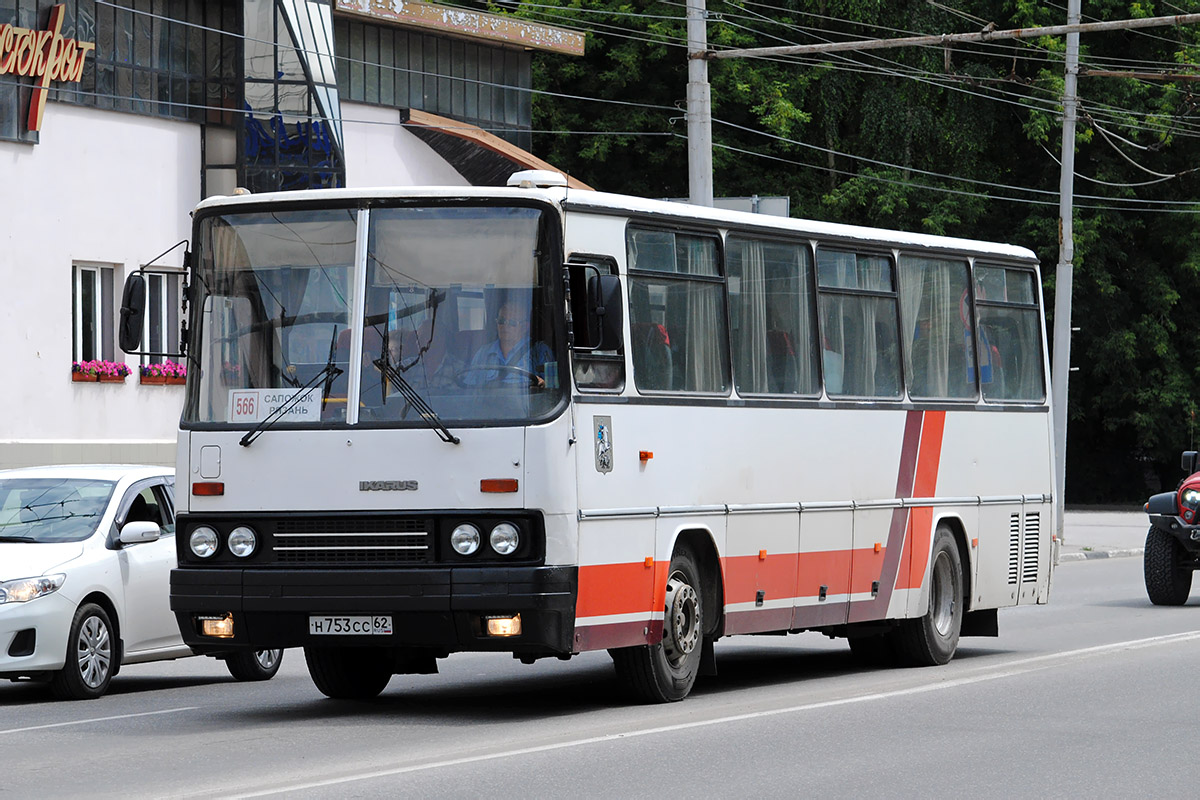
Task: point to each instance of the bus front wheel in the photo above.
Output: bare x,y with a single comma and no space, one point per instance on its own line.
348,673
665,672
932,639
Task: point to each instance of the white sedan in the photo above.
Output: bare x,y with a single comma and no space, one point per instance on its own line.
86,554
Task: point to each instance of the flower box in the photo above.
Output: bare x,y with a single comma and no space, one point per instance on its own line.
102,371
167,373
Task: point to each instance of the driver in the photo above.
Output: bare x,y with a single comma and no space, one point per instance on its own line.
511,348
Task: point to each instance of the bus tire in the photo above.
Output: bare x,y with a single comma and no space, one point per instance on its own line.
665,672
254,665
931,639
1167,570
348,673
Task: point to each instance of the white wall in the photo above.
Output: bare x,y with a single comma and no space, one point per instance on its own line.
380,152
100,187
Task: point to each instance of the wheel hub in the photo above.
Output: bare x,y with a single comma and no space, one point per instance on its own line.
682,625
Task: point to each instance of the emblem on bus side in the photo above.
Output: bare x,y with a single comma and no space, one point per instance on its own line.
387,486
604,443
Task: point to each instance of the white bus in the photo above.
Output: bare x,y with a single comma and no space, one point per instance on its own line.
546,421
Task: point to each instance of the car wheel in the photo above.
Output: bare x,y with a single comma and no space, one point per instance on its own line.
665,672
1167,569
89,666
348,673
257,665
933,638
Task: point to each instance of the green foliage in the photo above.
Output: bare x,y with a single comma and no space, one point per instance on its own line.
925,139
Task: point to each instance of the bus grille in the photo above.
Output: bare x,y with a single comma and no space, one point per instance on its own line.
352,542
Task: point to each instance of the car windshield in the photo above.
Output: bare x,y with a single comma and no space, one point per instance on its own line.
51,509
457,325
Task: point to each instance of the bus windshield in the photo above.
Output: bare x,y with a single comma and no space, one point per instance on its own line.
455,308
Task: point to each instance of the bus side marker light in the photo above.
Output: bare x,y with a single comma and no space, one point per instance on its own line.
504,626
762,555
649,562
498,485
645,455
208,488
217,627
975,542
878,547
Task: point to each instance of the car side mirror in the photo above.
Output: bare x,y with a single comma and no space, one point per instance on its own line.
139,532
133,313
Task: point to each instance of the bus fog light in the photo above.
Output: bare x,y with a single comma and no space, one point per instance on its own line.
504,626
217,627
203,541
242,541
505,538
465,539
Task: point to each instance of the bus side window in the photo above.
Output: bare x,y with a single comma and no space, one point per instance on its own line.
594,370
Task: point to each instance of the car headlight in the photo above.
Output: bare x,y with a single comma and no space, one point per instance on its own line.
465,539
504,538
25,589
203,541
242,541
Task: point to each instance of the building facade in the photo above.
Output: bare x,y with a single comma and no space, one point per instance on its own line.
118,116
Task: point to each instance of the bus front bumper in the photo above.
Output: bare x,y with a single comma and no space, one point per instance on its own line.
436,609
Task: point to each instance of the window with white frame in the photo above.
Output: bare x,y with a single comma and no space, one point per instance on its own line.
160,331
92,312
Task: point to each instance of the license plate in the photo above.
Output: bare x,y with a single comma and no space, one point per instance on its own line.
350,626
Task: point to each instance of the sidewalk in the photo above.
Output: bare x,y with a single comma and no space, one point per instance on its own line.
1103,534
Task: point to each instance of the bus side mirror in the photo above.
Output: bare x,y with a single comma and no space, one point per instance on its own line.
604,305
133,312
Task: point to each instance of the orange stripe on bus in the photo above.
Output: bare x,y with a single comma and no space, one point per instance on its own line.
745,576
920,519
616,589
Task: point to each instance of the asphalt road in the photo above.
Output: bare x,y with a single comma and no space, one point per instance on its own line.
1092,695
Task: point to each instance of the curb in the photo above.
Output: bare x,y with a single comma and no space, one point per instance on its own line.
1087,555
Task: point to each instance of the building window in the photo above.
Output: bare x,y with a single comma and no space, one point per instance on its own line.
160,333
92,301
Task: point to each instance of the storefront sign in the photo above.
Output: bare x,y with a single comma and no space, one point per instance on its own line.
43,55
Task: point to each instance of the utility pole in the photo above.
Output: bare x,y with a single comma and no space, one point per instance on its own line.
1064,274
699,107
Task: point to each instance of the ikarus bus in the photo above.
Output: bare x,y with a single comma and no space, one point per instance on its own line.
543,421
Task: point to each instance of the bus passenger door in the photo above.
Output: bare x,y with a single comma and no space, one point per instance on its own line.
823,566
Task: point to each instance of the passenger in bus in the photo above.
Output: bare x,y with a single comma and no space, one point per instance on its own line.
526,360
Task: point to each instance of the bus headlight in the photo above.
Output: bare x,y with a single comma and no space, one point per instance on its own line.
504,538
242,541
203,541
465,539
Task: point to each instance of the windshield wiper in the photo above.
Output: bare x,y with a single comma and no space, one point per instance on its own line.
414,399
329,370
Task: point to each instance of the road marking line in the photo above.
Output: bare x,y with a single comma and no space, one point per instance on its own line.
98,719
1006,670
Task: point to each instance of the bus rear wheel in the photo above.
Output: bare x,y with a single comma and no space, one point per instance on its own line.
665,672
348,673
933,638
